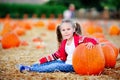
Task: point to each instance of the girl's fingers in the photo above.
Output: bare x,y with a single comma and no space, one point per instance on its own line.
89,45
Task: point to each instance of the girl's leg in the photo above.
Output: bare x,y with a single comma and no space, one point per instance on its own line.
52,66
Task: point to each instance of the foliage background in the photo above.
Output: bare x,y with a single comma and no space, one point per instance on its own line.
55,7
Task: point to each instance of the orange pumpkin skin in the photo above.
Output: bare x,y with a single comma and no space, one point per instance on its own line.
114,30
51,26
27,26
88,61
10,40
90,29
110,57
115,48
99,29
39,24
6,29
98,35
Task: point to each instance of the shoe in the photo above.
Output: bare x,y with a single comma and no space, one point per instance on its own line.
22,68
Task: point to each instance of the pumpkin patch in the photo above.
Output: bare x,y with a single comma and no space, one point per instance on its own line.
38,42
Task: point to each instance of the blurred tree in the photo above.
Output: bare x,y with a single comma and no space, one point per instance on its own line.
111,4
92,3
78,3
65,3
98,4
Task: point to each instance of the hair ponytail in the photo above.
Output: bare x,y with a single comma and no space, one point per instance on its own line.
59,35
78,28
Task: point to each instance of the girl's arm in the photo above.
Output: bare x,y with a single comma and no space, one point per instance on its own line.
89,42
58,54
92,40
88,39
50,57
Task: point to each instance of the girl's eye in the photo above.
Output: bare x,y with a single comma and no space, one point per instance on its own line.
68,29
63,30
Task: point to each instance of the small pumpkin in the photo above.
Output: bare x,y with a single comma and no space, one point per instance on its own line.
24,43
114,30
99,29
10,40
88,61
39,24
20,31
27,26
51,26
37,39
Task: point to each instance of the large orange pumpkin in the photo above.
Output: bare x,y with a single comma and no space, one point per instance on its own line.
88,61
110,57
10,40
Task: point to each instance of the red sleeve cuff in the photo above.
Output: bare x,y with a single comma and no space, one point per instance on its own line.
43,60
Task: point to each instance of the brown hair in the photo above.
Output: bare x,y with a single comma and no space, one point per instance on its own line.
74,25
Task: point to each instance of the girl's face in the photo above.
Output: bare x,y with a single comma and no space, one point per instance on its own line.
67,31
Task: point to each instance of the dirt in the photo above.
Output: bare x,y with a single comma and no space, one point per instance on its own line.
27,55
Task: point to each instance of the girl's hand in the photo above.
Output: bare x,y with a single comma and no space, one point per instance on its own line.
89,45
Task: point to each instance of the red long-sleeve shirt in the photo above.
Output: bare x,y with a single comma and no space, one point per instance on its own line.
61,54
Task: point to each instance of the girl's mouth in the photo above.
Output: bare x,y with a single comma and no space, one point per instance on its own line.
67,35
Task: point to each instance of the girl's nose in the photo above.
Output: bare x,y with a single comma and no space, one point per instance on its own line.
66,32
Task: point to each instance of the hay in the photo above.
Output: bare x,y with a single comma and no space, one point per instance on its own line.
27,55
